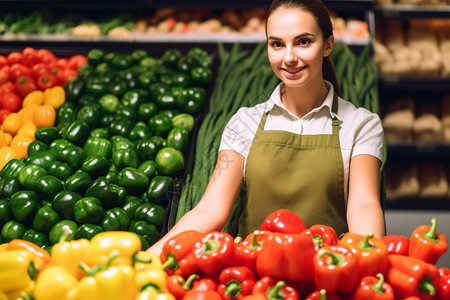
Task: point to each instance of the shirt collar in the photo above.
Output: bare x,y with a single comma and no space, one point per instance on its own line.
275,99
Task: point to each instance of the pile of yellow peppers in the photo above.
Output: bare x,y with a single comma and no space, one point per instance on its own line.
109,266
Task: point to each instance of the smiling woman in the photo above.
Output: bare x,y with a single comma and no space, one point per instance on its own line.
305,149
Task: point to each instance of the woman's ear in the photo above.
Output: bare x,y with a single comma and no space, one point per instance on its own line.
328,46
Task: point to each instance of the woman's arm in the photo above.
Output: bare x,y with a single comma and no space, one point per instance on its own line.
212,212
364,212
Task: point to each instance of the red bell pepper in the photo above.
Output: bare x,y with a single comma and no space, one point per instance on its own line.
205,284
444,286
247,251
335,268
14,57
236,282
177,255
410,276
46,81
214,252
24,85
178,287
47,57
427,244
322,295
373,288
202,295
275,289
255,297
19,70
6,88
412,298
287,256
322,235
29,56
283,221
371,252
396,244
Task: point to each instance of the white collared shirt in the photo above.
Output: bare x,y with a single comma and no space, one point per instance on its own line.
360,132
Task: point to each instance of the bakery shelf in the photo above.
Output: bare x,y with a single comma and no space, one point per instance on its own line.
413,11
418,149
418,203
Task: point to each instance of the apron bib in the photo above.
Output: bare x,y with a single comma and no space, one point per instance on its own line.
302,173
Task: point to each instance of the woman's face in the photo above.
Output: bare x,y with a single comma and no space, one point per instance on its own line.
295,46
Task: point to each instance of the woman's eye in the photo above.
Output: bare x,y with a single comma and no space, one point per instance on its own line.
304,42
277,44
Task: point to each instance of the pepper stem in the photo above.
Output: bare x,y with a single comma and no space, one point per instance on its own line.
210,246
95,269
333,258
426,286
317,240
171,262
32,270
233,288
323,294
431,235
238,239
275,292
378,287
137,259
187,285
254,243
365,244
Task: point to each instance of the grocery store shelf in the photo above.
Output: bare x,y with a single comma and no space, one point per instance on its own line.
415,83
419,149
413,11
418,203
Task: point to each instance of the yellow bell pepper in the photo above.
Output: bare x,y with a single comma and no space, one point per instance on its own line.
6,154
35,97
107,282
124,243
17,271
3,139
12,123
28,129
55,282
151,293
68,254
147,260
26,113
55,96
153,277
20,144
3,296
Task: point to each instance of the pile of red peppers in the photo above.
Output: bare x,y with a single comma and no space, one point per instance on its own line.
284,259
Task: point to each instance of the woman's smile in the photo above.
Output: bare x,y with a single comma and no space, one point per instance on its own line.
293,72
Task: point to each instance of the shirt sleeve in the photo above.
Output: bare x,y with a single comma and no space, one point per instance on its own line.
369,136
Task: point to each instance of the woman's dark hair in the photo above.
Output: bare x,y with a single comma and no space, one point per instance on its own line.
322,17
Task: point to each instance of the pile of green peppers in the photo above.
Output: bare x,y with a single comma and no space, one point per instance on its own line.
117,147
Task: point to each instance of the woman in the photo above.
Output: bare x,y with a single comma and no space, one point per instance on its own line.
304,149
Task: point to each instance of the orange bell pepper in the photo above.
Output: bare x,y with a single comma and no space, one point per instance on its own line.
20,144
12,123
44,115
28,129
6,154
26,113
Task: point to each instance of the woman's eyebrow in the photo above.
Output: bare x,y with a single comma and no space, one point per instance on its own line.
297,37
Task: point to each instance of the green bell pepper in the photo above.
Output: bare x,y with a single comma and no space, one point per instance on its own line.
112,176
131,204
86,72
88,210
178,138
13,230
64,202
59,144
169,161
35,147
23,205
100,133
115,219
184,120
146,78
146,111
171,57
37,238
109,103
107,118
77,132
95,57
133,180
12,168
29,175
66,228
47,134
45,218
78,182
121,143
96,166
148,148
121,193
108,195
200,56
74,156
148,231
43,158
202,76
121,61
132,99
98,146
125,112
160,125
166,101
151,213
192,100
139,131
91,115
180,79
148,167
160,189
117,87
74,88
120,126
125,158
138,55
5,212
48,186
65,115
129,76
87,231
60,170
9,186
96,86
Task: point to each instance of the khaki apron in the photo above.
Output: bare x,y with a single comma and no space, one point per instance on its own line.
302,173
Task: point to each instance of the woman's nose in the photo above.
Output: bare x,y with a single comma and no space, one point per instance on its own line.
290,57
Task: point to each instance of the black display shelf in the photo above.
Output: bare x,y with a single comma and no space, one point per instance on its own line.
417,203
413,11
414,83
436,151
